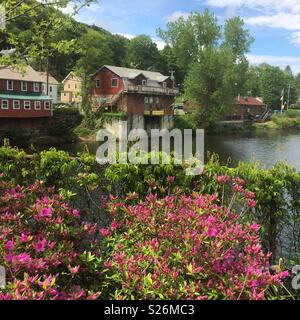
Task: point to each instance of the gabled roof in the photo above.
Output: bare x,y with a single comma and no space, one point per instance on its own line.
72,74
133,73
13,74
51,79
250,101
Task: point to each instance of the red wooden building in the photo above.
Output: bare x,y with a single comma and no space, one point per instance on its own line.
22,103
136,92
245,109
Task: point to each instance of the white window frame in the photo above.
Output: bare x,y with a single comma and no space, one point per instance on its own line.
98,83
12,85
164,85
144,82
47,103
36,89
19,105
116,86
35,105
26,84
7,104
26,102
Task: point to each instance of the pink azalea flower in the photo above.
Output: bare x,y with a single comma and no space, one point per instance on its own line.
46,212
212,232
223,179
211,219
105,232
9,245
24,237
76,213
40,246
73,270
255,226
251,203
23,258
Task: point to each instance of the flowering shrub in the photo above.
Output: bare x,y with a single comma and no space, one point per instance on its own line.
47,251
186,247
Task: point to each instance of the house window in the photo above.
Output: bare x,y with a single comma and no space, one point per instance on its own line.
157,101
50,88
10,85
98,83
65,94
114,82
47,105
144,82
37,105
4,104
75,86
150,100
23,86
164,84
27,105
36,87
69,86
16,104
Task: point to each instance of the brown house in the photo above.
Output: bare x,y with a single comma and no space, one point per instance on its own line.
136,92
245,109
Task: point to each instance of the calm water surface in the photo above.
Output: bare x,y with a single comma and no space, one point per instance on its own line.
266,148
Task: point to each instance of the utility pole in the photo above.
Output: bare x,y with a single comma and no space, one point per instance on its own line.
288,100
47,90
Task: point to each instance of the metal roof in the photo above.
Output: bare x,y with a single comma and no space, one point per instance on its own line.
23,96
12,74
51,79
133,73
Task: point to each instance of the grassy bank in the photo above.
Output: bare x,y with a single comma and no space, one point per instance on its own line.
289,119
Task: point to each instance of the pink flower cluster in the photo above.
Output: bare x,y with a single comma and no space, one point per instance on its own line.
43,243
186,247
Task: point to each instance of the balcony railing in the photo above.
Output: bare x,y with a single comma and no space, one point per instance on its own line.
148,89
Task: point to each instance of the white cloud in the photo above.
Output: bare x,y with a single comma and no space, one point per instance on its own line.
280,61
277,14
270,5
176,15
281,20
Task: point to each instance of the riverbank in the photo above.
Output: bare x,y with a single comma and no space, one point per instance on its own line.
289,119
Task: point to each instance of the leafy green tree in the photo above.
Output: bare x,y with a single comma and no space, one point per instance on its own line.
237,37
94,51
189,36
45,22
272,82
169,63
210,83
143,53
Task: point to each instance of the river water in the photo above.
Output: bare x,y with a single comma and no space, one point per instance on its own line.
267,148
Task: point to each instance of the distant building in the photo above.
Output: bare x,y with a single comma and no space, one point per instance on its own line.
245,109
52,86
72,90
137,92
22,102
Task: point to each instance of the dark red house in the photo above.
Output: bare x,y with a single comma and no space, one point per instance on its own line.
137,92
245,109
22,103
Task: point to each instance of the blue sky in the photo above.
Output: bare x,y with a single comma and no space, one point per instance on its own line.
275,24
